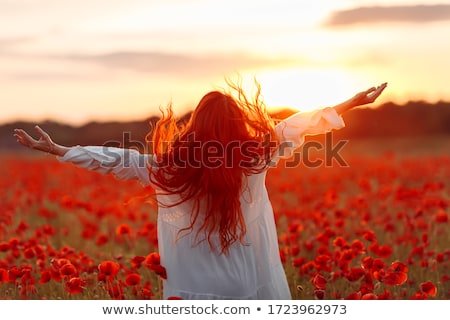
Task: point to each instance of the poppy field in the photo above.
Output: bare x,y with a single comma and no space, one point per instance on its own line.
375,229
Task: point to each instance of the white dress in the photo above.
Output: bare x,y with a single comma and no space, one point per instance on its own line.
252,271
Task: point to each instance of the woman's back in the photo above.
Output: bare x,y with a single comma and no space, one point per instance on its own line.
251,270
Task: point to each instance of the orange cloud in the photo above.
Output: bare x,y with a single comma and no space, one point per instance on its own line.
9,43
160,62
379,14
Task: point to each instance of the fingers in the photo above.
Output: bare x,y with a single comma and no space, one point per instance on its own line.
23,138
376,92
19,133
381,88
44,143
41,132
369,91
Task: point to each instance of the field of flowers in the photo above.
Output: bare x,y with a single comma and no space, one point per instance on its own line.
377,229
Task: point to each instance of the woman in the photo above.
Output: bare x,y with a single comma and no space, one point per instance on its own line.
216,230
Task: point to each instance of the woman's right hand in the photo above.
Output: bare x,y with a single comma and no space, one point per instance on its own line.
44,143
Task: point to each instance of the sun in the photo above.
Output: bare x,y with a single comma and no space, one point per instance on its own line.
306,89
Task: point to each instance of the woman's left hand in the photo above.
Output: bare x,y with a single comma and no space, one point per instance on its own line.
362,98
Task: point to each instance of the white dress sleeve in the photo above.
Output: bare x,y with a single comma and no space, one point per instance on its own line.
124,164
292,130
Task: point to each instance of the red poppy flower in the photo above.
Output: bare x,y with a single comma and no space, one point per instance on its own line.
39,251
153,258
101,240
49,230
322,262
123,229
319,294
369,235
386,295
339,223
26,275
355,274
45,277
306,267
396,274
425,238
295,250
137,261
28,253
419,295
369,296
297,262
109,268
428,288
353,296
339,242
392,278
378,264
68,270
308,245
294,227
4,277
174,298
159,270
58,263
22,227
75,285
398,266
319,281
367,263
347,255
133,279
441,217
440,257
4,246
418,251
384,251
282,256
146,293
14,242
358,246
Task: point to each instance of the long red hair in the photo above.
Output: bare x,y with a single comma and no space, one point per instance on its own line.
206,161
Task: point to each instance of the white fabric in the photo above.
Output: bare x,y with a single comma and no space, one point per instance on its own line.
194,271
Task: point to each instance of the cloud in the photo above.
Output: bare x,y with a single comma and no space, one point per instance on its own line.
51,76
379,14
158,62
9,43
76,67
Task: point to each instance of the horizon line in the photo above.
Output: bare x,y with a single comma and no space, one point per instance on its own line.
147,118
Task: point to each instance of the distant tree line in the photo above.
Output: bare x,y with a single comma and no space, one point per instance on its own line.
415,118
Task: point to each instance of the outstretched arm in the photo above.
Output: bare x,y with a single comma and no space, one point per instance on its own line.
361,98
124,164
292,130
44,143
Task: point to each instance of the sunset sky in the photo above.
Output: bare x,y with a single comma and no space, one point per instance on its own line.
77,61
